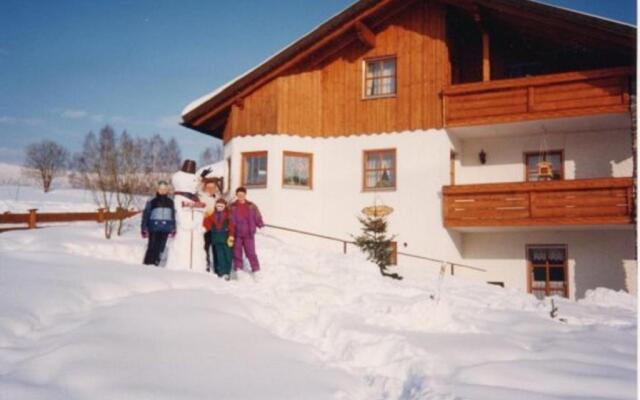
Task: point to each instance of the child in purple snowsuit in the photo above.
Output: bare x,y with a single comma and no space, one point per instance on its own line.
246,218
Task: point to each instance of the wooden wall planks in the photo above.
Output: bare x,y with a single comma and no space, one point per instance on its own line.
323,97
326,99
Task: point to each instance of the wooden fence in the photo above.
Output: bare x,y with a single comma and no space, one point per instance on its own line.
33,217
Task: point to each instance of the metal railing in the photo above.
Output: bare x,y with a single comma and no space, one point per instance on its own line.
344,242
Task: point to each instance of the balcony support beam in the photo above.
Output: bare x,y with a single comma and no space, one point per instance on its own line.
486,56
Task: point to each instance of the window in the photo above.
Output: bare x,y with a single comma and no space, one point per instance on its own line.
379,169
380,77
547,270
297,170
556,158
254,169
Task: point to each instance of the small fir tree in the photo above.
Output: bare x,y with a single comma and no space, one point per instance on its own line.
375,243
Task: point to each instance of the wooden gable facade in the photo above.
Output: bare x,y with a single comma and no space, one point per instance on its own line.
457,62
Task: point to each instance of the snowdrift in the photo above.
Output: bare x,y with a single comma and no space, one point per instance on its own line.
81,318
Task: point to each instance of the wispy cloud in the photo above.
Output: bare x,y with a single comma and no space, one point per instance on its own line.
74,114
81,114
11,120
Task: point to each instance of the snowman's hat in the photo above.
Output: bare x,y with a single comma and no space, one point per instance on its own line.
189,166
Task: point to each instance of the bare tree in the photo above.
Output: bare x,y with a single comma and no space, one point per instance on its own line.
211,155
118,168
171,156
97,166
44,161
129,174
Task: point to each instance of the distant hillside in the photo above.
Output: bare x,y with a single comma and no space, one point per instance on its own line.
12,174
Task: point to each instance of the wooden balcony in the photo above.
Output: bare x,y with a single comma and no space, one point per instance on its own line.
604,201
547,96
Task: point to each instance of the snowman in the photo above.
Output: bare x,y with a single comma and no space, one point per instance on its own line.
186,250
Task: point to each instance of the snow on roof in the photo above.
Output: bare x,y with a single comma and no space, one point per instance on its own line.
218,170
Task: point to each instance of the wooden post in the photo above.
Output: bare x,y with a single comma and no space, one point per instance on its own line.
486,60
100,215
452,270
344,247
33,218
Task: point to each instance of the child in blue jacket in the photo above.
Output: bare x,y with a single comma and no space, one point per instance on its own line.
158,223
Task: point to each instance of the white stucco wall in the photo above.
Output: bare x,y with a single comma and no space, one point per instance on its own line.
596,257
586,155
334,203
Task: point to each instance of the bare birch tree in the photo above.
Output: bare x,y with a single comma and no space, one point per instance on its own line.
117,169
44,161
97,166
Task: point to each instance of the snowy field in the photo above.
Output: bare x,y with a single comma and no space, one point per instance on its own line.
19,199
80,318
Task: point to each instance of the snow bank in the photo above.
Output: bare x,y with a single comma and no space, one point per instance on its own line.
609,298
80,318
18,199
11,174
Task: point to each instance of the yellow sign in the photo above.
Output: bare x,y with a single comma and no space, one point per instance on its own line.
377,211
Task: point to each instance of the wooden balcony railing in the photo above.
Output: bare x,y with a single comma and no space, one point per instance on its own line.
601,201
538,97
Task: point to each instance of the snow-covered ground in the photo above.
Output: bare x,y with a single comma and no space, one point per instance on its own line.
19,199
80,318
13,174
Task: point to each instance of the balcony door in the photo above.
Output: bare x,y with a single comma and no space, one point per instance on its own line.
547,270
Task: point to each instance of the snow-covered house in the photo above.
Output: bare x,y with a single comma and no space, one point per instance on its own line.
499,131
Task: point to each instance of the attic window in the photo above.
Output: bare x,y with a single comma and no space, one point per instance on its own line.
380,77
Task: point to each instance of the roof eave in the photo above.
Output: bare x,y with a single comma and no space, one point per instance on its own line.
234,88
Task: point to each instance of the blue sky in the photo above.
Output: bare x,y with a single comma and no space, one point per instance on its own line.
68,67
